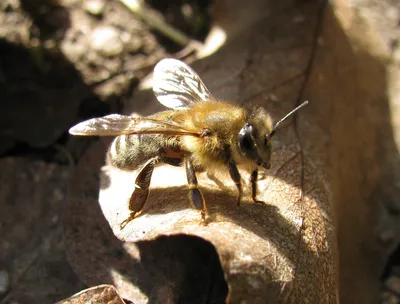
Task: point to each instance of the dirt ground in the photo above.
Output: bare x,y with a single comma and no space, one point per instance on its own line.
62,62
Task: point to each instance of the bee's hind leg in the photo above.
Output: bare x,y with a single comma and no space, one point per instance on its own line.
196,196
141,191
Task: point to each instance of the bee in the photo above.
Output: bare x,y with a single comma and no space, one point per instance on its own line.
198,132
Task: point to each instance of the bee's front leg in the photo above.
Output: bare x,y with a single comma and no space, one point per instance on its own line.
141,191
196,196
235,175
253,181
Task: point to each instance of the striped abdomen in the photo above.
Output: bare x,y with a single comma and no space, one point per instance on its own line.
128,152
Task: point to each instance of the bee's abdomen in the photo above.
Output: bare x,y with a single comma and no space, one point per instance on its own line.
127,152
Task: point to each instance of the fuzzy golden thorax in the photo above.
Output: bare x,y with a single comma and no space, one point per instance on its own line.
225,122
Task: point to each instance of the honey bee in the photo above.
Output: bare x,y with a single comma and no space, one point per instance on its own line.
199,131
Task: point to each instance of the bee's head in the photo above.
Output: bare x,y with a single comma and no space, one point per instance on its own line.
254,140
255,136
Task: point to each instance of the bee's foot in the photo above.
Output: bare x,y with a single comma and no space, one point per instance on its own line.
261,175
258,202
238,202
127,220
123,224
203,221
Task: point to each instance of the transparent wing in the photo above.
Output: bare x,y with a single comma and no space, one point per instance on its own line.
115,124
177,86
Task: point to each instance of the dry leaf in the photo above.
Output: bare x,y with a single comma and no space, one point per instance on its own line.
102,294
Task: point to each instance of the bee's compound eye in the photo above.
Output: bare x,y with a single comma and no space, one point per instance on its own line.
245,143
246,140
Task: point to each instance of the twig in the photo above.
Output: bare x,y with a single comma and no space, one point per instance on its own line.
150,17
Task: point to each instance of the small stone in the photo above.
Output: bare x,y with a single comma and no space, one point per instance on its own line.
12,4
4,281
105,39
393,283
50,44
68,3
94,7
131,43
73,51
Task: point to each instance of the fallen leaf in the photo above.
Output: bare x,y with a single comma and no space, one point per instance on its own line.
103,294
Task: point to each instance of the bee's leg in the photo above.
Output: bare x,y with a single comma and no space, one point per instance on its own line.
253,181
261,175
141,191
235,175
211,175
195,194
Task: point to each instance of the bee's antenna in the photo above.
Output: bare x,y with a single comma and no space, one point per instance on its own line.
284,118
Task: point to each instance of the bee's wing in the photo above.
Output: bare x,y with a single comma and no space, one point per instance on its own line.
115,124
177,86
